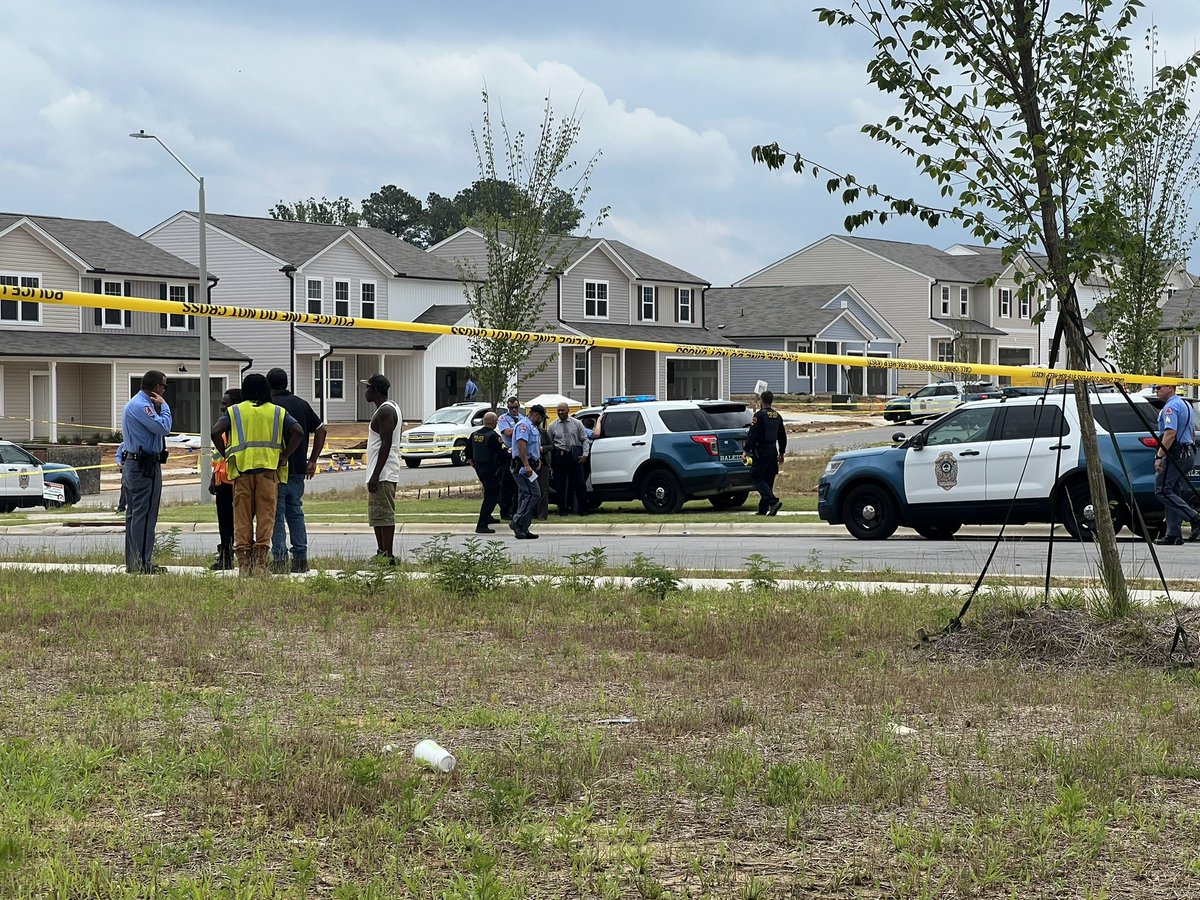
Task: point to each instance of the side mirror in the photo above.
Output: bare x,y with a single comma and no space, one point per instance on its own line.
899,437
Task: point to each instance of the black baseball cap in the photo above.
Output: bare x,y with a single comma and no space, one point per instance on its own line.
379,383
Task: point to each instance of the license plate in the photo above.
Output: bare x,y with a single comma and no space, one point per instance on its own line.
731,457
1194,475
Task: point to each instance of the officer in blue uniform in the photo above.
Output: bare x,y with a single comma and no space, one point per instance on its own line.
1176,451
505,425
145,424
526,463
766,442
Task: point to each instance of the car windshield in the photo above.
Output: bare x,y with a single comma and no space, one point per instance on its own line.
451,415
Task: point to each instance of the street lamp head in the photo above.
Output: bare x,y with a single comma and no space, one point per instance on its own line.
140,134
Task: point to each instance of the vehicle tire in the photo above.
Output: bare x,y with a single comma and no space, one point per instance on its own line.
870,513
942,531
1074,512
72,495
732,500
7,506
458,457
412,461
592,503
661,493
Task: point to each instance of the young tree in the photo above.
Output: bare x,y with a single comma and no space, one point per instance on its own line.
1007,107
517,202
323,212
1150,178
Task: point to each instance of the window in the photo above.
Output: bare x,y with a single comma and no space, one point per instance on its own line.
945,301
595,299
964,302
622,424
803,369
970,424
1028,422
337,379
648,311
581,369
683,306
19,310
366,292
945,351
177,293
316,290
113,318
1006,303
1024,304
341,298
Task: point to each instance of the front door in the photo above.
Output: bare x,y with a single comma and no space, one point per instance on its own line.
39,397
951,466
608,376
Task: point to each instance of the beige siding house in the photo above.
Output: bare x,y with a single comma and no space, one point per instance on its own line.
607,289
960,304
66,372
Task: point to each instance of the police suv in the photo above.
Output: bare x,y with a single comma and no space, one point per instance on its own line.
1008,460
666,452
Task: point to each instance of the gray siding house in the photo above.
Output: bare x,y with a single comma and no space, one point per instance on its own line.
814,318
332,270
607,289
960,304
67,372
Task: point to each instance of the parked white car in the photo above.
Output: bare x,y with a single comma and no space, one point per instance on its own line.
21,479
443,435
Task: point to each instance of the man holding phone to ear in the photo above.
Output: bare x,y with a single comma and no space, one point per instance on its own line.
145,424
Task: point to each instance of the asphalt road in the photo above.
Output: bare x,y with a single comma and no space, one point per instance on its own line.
905,552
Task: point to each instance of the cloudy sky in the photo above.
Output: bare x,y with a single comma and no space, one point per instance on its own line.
274,101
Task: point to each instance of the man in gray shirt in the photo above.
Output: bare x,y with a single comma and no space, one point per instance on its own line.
567,440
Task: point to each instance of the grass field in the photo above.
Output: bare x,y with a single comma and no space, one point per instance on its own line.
184,737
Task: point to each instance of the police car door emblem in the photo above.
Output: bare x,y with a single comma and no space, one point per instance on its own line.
945,469
22,481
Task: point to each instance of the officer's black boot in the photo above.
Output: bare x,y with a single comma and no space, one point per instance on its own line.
224,558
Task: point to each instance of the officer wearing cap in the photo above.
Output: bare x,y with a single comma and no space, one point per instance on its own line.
505,424
766,442
145,424
1176,451
486,454
526,461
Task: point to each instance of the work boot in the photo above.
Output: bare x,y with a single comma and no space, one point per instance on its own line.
224,559
258,561
243,561
299,564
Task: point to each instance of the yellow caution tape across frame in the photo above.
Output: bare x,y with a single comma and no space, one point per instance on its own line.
220,311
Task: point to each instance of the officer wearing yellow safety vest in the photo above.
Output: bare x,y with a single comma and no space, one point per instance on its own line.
256,461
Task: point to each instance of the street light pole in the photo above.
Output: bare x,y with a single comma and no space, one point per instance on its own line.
204,326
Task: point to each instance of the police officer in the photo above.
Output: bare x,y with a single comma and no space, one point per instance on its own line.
486,454
145,423
505,425
765,443
1176,450
526,461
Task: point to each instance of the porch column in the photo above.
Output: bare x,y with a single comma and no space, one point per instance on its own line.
117,424
624,379
53,432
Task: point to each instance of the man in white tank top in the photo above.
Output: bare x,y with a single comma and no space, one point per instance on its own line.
383,466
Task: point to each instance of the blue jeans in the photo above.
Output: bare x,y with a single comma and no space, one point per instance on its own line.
290,510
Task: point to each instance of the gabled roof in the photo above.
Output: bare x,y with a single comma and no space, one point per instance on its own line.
378,339
103,247
930,261
969,326
298,242
799,310
1182,311
444,314
35,342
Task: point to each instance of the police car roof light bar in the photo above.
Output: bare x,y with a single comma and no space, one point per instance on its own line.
632,398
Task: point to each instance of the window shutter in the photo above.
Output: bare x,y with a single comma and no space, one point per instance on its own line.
676,304
98,288
639,302
191,323
128,319
99,316
162,295
128,289
656,302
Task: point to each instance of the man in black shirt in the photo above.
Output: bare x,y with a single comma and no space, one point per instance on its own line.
488,456
289,510
765,444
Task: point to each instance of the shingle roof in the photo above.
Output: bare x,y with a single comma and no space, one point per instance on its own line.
444,314
107,248
790,310
1182,310
931,261
666,334
969,326
115,346
298,242
367,338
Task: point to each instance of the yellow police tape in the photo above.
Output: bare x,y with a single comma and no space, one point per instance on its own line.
136,304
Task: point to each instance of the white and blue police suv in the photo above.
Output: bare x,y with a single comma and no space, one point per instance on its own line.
1012,460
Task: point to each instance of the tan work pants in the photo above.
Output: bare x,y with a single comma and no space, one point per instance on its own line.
254,498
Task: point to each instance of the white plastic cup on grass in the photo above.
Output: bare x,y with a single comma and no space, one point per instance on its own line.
434,754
